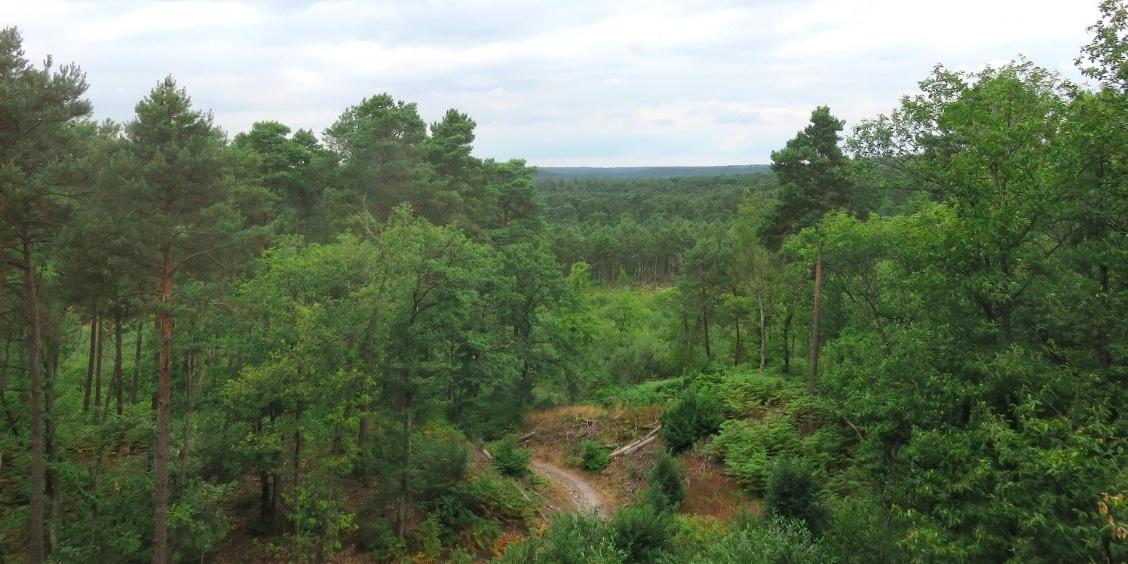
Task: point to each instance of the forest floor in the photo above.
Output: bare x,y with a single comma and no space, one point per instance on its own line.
556,431
579,491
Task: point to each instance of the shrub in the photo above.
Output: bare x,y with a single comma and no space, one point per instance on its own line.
319,521
775,541
667,483
750,449
570,538
510,459
379,537
860,531
696,415
794,493
642,531
590,456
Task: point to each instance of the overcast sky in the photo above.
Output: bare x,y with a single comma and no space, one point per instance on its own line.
562,82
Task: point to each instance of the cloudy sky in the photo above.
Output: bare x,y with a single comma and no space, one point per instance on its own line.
561,82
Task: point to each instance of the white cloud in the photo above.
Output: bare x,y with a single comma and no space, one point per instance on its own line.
583,82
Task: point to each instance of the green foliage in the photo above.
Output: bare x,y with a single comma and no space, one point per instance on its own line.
793,493
511,459
860,530
589,455
666,481
774,541
570,538
196,519
642,531
319,521
695,416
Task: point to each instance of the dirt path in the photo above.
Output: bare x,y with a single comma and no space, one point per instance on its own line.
582,493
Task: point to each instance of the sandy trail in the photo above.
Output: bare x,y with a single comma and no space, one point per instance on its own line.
583,494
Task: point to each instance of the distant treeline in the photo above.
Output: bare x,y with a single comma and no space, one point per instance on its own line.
637,229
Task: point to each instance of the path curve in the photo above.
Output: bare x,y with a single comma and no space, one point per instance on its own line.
582,493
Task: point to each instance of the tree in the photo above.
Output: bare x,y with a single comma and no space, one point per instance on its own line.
286,164
380,146
814,180
181,211
40,113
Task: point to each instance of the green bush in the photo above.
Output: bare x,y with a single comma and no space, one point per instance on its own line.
750,449
775,541
861,531
696,415
667,484
319,521
590,456
793,493
642,531
510,459
570,538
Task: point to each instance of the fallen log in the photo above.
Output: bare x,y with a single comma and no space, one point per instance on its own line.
528,435
627,449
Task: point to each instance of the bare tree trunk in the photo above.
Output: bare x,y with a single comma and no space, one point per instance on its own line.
136,365
90,364
35,338
164,414
763,332
404,498
52,449
98,372
816,318
189,374
118,376
4,384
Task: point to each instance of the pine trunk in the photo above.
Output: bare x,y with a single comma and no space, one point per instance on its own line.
763,333
118,376
98,371
90,364
816,318
164,399
35,370
136,365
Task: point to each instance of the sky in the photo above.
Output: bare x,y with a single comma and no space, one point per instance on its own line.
558,83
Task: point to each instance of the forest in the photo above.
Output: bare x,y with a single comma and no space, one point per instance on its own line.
906,341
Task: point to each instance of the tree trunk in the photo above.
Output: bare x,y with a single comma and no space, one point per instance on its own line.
816,318
4,384
763,332
404,498
118,376
190,368
265,514
90,364
52,449
164,399
35,338
98,373
787,341
136,365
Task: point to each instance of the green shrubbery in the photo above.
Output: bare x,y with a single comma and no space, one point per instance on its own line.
793,493
569,539
696,415
510,459
641,531
590,456
667,483
774,541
